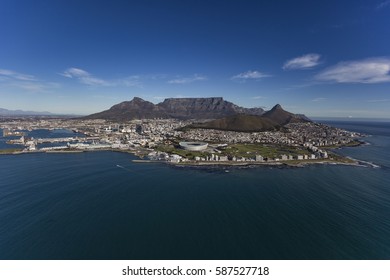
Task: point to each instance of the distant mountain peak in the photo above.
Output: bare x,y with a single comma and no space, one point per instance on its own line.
282,117
277,107
6,112
137,99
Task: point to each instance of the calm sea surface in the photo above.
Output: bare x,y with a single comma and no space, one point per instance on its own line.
100,205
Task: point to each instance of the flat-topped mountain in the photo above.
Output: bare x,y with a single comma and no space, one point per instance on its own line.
178,108
273,119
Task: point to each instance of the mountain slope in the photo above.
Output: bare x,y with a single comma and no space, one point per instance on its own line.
274,119
240,123
128,110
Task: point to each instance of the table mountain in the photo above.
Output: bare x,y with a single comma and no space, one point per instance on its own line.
178,108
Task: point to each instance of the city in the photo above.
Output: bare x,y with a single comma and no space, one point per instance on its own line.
160,139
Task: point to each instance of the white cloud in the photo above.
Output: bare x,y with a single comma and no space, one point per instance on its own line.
8,74
37,86
306,61
383,4
84,77
259,97
367,71
25,81
187,80
318,99
87,78
130,81
251,75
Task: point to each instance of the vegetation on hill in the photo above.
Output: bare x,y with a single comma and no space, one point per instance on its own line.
274,119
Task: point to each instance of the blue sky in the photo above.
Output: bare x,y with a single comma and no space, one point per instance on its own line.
321,58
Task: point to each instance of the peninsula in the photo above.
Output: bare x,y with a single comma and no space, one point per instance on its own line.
190,131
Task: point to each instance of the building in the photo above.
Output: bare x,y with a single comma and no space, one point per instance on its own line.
194,146
223,158
259,158
175,158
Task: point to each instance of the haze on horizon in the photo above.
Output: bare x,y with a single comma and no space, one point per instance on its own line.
321,59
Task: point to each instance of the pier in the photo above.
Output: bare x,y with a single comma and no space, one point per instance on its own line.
65,139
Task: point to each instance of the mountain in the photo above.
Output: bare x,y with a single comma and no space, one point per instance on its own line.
203,108
128,110
6,112
282,117
178,108
273,119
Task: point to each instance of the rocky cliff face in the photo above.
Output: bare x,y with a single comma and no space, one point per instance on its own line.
179,108
200,108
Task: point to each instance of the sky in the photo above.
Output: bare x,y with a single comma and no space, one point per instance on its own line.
320,58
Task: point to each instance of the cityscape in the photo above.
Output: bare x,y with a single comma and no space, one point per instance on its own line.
159,139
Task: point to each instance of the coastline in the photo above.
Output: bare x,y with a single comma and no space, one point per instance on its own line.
222,164
254,163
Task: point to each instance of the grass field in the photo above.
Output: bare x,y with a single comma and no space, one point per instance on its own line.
270,151
239,150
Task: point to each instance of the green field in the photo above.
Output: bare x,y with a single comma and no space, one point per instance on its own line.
238,150
269,151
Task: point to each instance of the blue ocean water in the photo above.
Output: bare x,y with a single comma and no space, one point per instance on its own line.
3,142
100,205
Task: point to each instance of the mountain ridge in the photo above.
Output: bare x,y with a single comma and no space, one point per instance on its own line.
178,108
7,112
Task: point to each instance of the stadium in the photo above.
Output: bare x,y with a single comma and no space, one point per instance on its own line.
194,146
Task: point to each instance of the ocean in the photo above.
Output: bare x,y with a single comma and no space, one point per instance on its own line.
101,205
